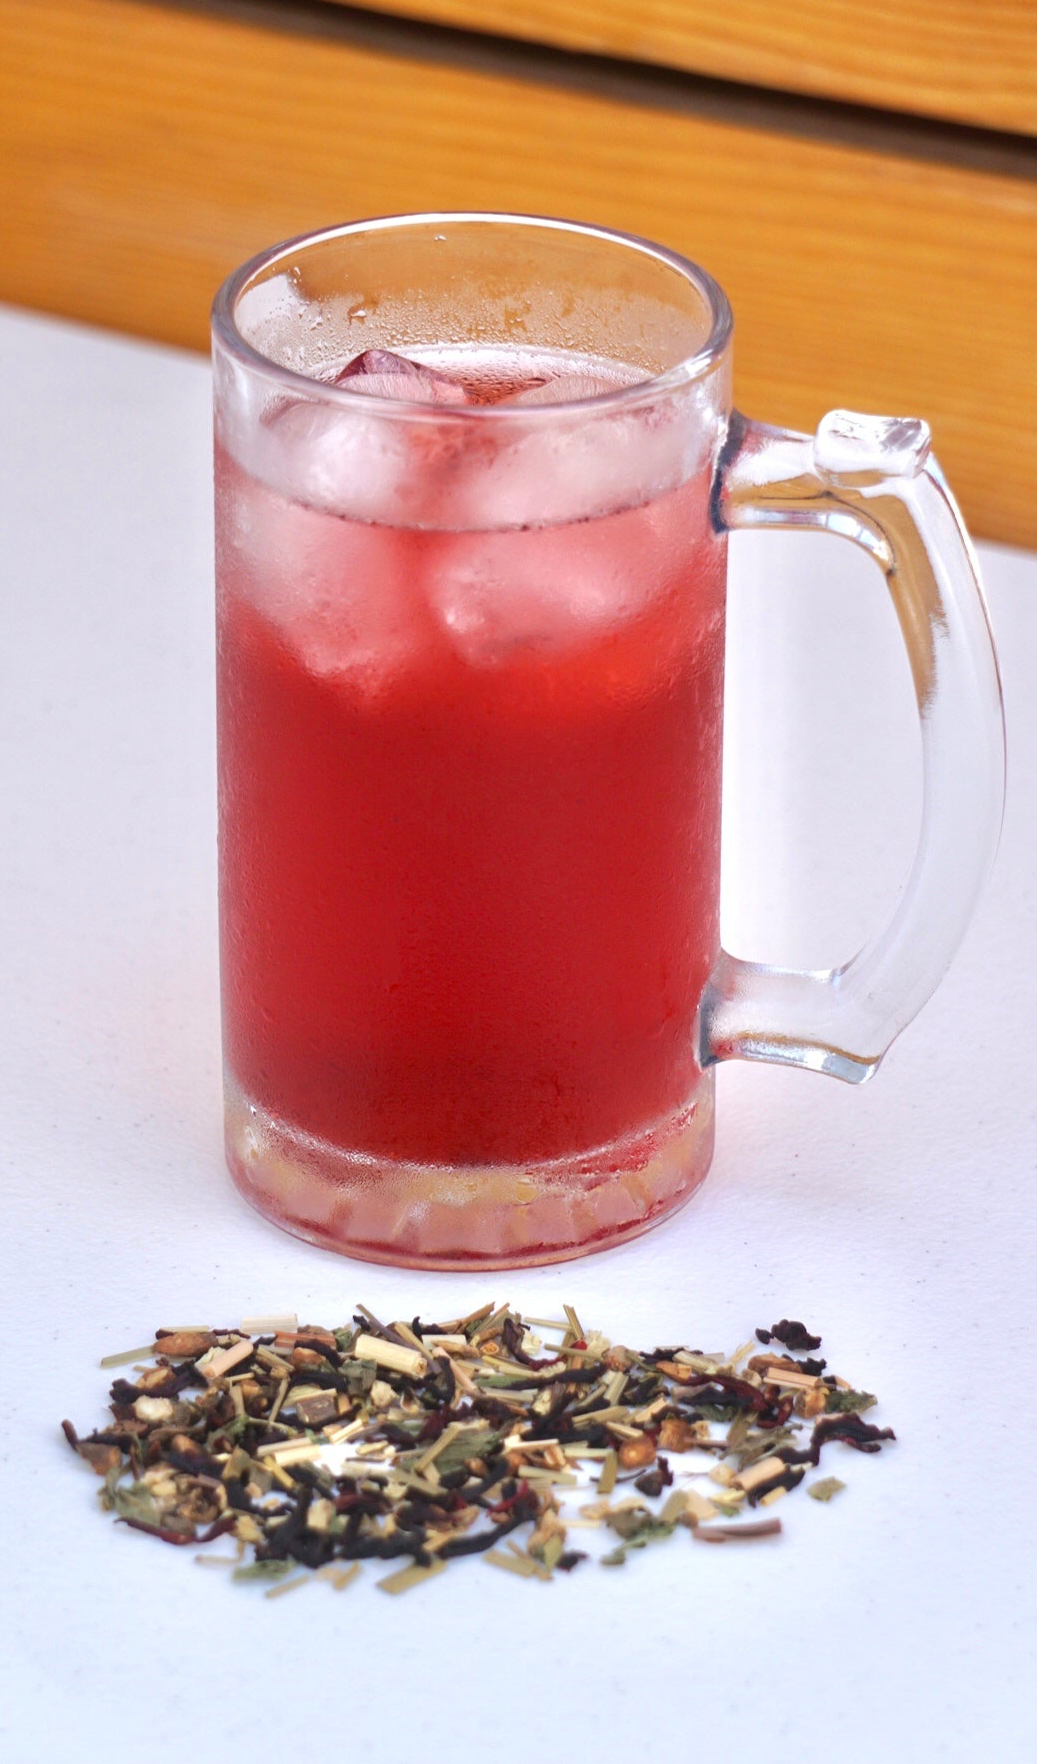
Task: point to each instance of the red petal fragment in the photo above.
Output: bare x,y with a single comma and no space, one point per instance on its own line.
180,1538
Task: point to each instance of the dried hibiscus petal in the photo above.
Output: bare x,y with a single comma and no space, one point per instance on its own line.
793,1335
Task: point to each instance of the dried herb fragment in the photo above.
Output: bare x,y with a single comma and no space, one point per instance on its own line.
737,1533
791,1334
405,1578
825,1488
319,1449
265,1570
848,1402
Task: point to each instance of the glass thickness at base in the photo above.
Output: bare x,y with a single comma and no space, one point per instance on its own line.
495,1216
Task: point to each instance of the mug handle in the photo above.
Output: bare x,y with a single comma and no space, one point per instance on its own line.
874,480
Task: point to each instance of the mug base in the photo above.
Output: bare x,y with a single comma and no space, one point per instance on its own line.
434,1216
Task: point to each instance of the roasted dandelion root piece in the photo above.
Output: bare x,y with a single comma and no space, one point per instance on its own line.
420,1443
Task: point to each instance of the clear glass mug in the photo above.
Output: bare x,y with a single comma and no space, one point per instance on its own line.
470,696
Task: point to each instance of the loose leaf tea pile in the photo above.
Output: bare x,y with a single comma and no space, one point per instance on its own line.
319,1448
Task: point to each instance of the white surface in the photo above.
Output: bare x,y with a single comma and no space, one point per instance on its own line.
898,1219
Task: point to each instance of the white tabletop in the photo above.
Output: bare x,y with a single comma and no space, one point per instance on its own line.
899,1621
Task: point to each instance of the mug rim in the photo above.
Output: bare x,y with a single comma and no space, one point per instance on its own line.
681,374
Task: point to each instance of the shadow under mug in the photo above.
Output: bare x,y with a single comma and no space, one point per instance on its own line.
470,708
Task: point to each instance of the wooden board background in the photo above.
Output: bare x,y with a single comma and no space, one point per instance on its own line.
145,149
973,61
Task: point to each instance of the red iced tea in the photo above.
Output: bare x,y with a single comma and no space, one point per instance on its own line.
470,834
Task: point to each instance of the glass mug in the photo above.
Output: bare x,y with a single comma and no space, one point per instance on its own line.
471,615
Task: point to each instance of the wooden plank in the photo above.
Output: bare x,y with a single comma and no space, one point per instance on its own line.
146,149
970,61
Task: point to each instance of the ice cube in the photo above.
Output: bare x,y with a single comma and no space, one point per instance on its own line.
548,590
563,389
371,465
571,461
340,593
346,461
382,374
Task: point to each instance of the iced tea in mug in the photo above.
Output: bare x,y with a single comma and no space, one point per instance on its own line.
474,477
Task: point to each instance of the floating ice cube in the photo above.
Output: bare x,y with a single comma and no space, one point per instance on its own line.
575,463
341,459
341,593
380,373
371,465
549,590
563,389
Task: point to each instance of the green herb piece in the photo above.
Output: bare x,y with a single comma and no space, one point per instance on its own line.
268,1570
359,1375
135,1502
757,1446
469,1443
648,1531
848,1402
824,1489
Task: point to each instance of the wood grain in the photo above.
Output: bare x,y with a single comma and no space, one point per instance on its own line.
970,61
145,150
